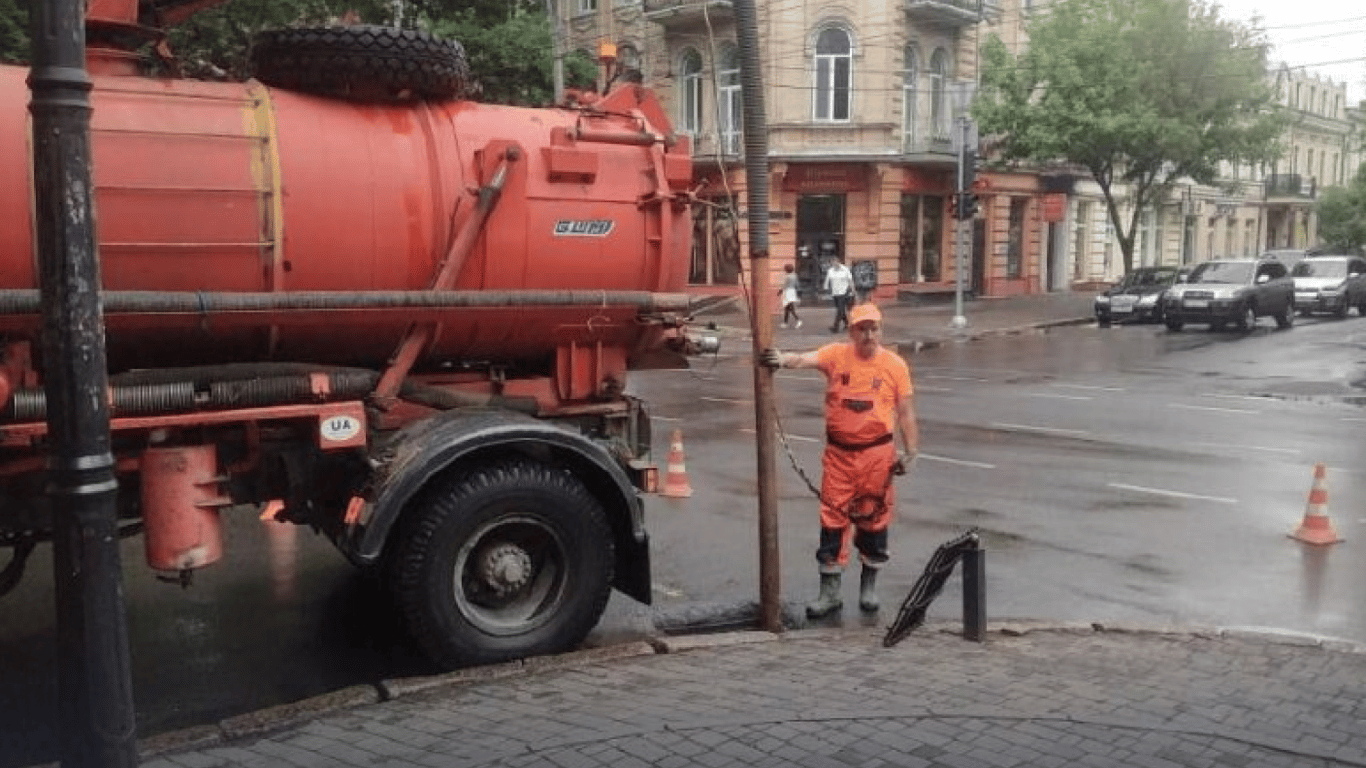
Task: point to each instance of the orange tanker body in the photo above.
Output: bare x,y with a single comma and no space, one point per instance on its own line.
402,318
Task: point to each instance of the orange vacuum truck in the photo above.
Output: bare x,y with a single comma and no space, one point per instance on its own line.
340,295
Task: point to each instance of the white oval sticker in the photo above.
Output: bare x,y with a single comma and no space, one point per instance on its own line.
338,429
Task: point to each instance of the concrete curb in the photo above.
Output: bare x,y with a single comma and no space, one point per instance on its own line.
273,719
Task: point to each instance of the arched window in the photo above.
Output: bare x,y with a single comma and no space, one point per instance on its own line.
910,97
834,59
690,92
728,100
939,94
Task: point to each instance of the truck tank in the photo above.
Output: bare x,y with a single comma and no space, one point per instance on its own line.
242,222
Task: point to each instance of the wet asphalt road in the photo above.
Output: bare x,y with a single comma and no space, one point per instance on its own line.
1125,474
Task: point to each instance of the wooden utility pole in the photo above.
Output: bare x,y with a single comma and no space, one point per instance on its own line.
755,127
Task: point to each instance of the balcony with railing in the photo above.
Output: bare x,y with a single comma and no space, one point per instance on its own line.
688,13
951,12
1290,187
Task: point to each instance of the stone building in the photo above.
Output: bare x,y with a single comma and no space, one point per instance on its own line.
861,98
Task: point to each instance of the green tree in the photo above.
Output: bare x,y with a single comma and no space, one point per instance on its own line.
14,45
511,59
1342,214
1140,93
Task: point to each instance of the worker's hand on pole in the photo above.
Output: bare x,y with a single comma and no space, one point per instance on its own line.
771,358
904,462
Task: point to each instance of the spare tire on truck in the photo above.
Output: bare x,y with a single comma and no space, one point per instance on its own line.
363,62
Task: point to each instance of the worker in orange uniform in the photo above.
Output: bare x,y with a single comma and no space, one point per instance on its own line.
868,398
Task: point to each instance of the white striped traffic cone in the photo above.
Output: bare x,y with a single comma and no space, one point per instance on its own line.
1316,528
676,484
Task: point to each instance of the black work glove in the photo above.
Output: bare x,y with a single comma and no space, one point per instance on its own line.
771,358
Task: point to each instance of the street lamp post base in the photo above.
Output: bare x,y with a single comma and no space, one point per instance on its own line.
958,321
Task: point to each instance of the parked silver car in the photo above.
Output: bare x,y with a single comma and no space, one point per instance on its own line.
1235,291
1330,284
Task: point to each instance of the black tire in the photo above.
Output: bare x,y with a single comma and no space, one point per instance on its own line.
1286,317
466,534
1103,322
1174,325
362,62
1247,317
1341,311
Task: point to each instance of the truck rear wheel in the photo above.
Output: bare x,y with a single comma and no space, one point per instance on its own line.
509,560
362,62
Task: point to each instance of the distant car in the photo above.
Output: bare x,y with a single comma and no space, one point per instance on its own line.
1235,291
1287,256
1137,297
1330,284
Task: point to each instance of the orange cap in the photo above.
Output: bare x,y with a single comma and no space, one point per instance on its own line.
863,313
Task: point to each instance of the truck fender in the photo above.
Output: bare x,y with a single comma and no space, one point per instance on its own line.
409,460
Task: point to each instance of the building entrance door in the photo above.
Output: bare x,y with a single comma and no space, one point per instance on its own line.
820,239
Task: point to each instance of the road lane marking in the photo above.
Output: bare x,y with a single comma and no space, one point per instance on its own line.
951,378
1224,396
798,438
1210,408
728,400
1173,494
1032,428
1096,387
665,418
959,462
923,388
1352,418
1057,396
1292,451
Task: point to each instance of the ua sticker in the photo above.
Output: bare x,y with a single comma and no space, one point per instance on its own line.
339,429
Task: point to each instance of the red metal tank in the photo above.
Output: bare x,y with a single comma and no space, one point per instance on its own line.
236,187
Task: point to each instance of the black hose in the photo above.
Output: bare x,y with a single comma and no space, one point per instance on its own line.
253,385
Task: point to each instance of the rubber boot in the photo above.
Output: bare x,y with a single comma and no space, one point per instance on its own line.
867,590
829,599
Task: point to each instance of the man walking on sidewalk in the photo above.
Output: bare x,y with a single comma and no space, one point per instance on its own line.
868,399
839,281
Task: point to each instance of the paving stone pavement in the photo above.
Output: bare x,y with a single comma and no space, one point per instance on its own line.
827,698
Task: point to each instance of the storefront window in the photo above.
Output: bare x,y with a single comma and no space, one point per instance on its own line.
922,218
715,246
1015,240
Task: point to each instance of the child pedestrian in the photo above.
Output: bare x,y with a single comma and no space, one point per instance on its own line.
789,294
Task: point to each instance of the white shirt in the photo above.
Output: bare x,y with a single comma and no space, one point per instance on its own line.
838,279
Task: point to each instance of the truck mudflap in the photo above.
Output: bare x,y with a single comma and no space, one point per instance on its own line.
458,442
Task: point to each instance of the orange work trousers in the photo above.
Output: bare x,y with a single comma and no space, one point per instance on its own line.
856,498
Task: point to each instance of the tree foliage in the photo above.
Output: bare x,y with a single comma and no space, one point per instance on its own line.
1342,215
1140,93
511,60
507,41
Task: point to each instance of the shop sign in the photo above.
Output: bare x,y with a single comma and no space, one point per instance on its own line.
825,177
1054,207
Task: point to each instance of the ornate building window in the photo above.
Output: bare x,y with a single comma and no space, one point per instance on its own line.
833,70
690,92
939,94
910,97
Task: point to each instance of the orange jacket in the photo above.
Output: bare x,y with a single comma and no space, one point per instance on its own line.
861,396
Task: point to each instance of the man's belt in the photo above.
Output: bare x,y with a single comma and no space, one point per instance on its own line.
852,447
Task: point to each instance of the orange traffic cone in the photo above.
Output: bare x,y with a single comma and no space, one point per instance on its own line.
1316,527
676,484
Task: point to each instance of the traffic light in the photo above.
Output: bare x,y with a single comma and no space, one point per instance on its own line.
967,207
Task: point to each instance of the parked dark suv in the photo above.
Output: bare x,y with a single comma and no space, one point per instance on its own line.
1234,291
